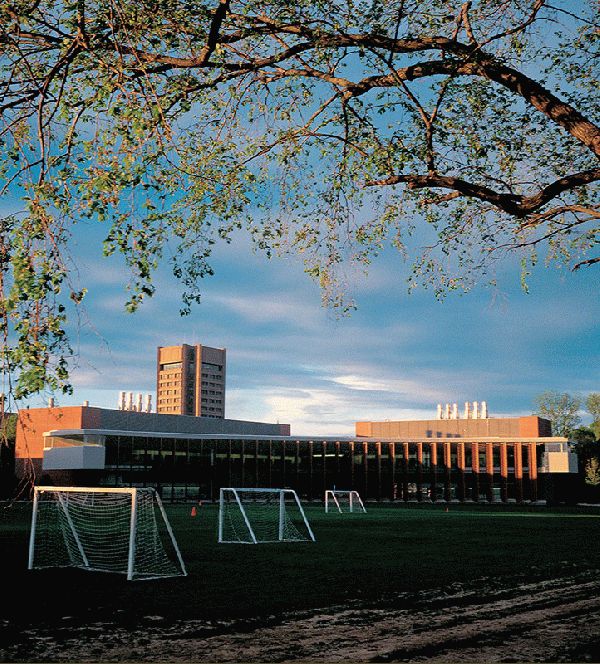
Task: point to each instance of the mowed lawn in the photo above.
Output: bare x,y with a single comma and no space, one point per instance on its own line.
367,557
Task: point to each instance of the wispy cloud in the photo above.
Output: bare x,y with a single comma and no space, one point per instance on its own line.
273,307
319,411
403,388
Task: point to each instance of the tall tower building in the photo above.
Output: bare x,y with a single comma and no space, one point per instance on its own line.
190,380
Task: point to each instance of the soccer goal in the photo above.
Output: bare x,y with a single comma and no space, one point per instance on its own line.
119,530
254,516
343,501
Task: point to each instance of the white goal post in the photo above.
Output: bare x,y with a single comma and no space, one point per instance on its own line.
103,529
253,516
343,501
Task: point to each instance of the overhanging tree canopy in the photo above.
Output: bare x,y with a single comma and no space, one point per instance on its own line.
327,129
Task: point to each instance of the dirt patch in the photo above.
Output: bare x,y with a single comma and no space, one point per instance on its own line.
546,621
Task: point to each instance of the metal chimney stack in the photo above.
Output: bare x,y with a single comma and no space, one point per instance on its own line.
140,399
439,411
475,410
484,411
148,406
454,411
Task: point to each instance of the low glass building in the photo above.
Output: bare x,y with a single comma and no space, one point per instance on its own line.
194,466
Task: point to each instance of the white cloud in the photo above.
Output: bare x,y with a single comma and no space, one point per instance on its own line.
308,411
326,412
403,388
270,308
101,271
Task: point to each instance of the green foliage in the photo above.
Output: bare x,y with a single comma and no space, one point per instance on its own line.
8,430
592,405
592,471
587,448
583,436
326,130
561,409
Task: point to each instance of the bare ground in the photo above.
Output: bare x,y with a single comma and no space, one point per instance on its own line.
545,621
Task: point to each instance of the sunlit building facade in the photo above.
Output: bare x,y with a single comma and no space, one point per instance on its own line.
190,380
191,458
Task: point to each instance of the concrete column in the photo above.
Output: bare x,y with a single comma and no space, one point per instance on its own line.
434,469
183,407
489,470
533,474
365,451
405,471
378,451
392,457
197,351
475,470
518,452
447,471
460,462
419,472
503,471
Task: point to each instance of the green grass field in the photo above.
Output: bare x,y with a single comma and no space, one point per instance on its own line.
370,557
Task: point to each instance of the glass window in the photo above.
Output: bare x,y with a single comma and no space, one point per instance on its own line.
125,451
112,451
170,365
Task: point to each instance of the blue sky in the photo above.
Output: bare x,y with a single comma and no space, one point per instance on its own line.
290,360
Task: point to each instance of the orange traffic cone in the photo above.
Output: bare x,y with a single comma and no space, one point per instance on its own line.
193,511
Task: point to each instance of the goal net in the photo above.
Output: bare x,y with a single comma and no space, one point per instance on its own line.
343,501
253,516
118,530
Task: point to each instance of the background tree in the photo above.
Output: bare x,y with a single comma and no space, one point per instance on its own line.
561,409
592,472
592,404
326,129
583,436
587,447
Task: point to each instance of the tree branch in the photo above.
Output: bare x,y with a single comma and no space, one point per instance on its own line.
516,205
587,263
